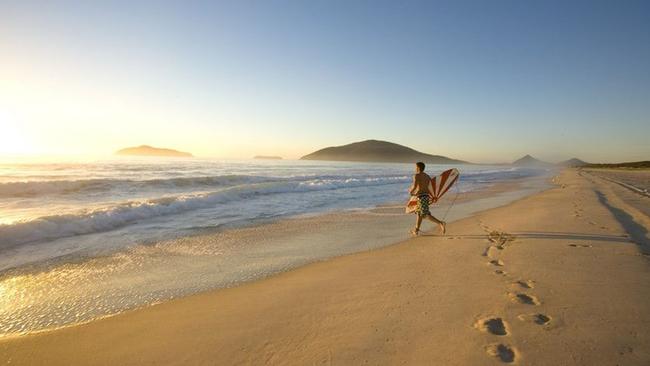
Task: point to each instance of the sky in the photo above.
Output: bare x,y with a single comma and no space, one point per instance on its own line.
484,81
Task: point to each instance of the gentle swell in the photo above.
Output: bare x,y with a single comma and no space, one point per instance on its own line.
42,188
86,186
125,213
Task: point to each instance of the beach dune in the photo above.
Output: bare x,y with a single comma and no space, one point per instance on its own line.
557,278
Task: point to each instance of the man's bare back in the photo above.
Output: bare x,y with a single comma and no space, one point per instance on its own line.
420,184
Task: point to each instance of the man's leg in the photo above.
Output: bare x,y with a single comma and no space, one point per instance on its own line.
440,223
418,222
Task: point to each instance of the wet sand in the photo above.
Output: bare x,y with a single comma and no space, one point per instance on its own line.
558,278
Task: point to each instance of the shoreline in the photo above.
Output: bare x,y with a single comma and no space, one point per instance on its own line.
419,280
24,252
278,240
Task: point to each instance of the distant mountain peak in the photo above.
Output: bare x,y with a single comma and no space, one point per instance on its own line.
146,150
528,160
377,151
573,162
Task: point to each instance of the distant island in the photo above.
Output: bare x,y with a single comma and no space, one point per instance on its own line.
267,157
146,150
573,163
530,162
377,151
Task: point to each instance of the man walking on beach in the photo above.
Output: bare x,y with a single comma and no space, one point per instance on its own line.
420,189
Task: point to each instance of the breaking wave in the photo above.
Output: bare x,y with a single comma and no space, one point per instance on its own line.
129,212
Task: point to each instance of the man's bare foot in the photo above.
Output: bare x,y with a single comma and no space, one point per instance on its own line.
443,227
415,232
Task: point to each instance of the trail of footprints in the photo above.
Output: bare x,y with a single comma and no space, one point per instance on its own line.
579,213
497,326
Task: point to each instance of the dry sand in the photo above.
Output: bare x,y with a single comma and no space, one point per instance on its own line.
558,278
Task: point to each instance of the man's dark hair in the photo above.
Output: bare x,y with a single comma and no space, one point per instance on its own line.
420,165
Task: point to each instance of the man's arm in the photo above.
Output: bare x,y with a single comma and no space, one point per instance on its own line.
412,189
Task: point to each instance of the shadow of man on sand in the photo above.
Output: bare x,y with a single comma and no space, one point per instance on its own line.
637,232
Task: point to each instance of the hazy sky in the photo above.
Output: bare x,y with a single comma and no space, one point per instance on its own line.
481,81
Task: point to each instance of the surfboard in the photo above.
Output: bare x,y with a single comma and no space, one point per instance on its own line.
438,186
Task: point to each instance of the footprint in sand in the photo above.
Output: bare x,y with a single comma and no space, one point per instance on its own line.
526,283
497,262
539,319
490,251
503,352
500,238
492,325
524,299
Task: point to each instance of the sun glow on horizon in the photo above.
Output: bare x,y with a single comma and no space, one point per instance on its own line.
14,141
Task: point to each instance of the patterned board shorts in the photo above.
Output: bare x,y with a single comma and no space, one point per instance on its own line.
423,205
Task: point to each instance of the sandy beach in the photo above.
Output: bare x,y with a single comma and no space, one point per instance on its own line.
269,183
561,277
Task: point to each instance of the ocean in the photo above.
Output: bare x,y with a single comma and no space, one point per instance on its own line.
86,240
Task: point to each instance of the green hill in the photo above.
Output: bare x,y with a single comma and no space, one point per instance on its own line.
377,151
